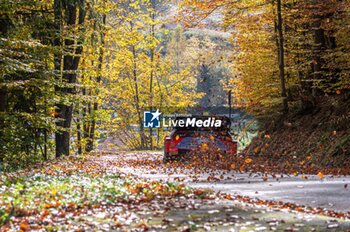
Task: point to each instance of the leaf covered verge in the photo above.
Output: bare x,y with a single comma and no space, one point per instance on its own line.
79,193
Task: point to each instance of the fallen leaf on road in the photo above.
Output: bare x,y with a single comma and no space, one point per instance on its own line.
320,175
24,226
233,166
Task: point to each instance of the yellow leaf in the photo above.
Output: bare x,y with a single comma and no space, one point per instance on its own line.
320,175
205,145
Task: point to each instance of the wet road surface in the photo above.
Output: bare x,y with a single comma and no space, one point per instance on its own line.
329,193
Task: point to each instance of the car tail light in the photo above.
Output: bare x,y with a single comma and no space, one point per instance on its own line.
167,140
173,142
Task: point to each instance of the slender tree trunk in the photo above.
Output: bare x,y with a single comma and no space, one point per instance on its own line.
57,62
45,145
90,145
318,49
137,100
281,56
2,119
88,122
80,150
152,74
86,112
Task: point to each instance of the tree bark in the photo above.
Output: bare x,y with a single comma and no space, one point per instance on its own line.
152,74
324,43
90,142
70,64
281,57
80,150
5,26
137,100
317,50
2,119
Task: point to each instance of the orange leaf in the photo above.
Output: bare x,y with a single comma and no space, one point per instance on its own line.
44,214
47,205
24,226
233,166
198,192
241,168
143,226
320,175
248,160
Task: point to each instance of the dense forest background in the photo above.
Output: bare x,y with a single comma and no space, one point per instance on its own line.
74,70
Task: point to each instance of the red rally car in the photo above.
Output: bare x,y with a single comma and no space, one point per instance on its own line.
193,136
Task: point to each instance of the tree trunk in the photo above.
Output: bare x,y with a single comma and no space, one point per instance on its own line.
281,56
137,100
5,26
86,113
317,50
152,75
324,43
80,150
90,144
70,64
2,119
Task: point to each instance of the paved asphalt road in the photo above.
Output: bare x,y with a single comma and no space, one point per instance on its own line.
329,193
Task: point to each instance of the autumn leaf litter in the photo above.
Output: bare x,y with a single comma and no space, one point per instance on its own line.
89,193
80,193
